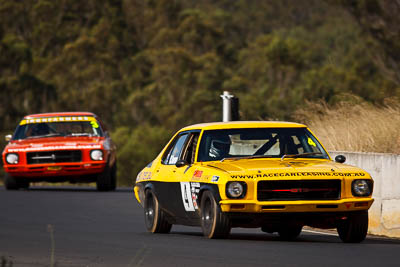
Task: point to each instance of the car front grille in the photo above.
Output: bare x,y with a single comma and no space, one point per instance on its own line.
59,156
298,190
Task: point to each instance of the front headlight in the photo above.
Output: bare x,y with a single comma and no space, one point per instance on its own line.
12,158
236,189
96,154
361,188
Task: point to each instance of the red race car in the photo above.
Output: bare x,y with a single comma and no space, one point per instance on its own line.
59,147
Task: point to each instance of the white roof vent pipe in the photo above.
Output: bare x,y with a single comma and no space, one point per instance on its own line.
227,106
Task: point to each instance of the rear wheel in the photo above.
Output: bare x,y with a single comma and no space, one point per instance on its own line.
354,229
214,222
154,217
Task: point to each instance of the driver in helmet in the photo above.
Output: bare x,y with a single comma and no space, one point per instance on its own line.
220,147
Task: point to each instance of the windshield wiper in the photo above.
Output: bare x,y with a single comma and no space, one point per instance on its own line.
300,155
44,136
248,157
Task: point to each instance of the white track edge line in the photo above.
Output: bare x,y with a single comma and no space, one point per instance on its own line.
316,232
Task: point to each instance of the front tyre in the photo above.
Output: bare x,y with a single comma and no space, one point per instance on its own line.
106,181
214,222
113,184
154,217
354,229
290,232
11,183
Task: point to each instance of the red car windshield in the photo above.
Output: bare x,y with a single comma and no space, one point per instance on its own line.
59,126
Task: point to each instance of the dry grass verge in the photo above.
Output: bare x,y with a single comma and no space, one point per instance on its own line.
355,126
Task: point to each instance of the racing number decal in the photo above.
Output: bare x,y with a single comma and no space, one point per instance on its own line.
187,196
190,192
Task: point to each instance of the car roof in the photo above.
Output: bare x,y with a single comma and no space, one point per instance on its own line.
243,124
59,114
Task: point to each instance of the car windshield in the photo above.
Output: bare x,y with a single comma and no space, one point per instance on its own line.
254,143
57,126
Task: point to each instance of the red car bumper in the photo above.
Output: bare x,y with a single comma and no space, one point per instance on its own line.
77,169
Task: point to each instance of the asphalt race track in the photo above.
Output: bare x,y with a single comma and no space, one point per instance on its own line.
91,228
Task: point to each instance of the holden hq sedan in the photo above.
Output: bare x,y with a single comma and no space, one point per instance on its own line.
273,175
59,147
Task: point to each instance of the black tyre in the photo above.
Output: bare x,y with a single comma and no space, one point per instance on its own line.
214,222
154,217
113,184
354,229
290,232
10,182
267,229
106,181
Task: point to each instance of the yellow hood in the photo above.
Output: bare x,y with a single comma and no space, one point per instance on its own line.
258,168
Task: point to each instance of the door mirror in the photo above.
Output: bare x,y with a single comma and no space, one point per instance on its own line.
181,163
340,158
8,137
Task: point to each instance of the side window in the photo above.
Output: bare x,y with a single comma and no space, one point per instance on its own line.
175,151
190,153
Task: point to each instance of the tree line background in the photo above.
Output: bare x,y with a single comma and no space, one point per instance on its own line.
150,67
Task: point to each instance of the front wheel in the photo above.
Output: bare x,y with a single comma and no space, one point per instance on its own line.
354,229
11,183
113,184
290,232
214,222
154,217
106,181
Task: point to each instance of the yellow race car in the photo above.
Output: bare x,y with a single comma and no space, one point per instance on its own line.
273,175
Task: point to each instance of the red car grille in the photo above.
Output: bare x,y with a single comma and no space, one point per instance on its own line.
58,156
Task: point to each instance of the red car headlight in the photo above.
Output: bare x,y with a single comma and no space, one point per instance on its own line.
12,158
96,154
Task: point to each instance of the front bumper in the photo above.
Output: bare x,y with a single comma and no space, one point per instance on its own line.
55,169
342,205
